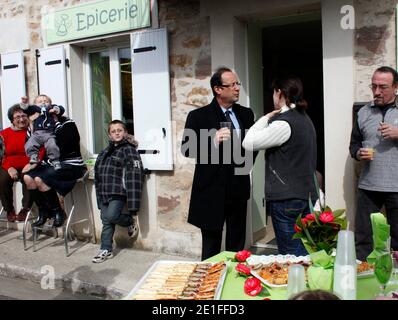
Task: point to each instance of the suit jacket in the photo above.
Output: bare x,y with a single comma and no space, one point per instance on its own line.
215,180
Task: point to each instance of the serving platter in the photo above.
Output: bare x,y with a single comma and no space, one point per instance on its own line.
277,264
266,282
169,279
367,269
280,258
256,262
365,274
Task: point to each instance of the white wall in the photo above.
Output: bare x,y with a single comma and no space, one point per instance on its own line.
338,70
19,39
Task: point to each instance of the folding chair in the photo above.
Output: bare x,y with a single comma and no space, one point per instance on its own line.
66,228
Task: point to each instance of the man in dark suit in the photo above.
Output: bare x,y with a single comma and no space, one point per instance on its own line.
221,183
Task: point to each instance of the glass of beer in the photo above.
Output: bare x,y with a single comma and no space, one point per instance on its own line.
371,150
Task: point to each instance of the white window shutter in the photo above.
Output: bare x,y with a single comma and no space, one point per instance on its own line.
12,79
151,98
52,74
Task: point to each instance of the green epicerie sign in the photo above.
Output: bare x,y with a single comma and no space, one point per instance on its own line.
98,18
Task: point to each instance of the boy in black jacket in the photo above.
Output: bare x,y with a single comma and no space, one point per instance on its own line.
118,174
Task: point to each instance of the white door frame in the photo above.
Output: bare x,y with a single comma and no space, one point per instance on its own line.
116,103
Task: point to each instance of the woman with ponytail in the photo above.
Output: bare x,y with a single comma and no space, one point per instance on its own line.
288,137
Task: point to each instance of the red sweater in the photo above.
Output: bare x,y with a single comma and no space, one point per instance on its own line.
14,153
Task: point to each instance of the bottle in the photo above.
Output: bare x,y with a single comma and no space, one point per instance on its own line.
345,266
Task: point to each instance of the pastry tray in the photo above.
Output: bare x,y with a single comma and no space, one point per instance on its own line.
218,291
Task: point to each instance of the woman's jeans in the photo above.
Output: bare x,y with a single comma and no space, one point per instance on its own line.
111,215
284,214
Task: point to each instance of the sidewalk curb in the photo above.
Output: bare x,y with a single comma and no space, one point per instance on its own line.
69,284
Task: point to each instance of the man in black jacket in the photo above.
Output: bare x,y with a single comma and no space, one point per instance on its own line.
221,183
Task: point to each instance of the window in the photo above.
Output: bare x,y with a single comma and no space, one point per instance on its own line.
110,92
130,80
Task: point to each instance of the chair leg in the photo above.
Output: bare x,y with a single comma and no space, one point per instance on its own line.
1,212
34,238
91,217
68,224
66,241
25,225
66,234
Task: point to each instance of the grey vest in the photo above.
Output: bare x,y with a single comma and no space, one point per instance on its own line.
290,168
381,173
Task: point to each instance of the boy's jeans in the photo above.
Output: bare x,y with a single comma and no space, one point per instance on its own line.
111,215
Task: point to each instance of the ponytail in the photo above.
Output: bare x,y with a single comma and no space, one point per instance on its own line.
291,88
301,105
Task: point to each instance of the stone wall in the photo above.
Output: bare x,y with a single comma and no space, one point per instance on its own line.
190,65
375,41
13,12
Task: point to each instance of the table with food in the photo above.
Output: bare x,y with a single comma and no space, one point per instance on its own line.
218,279
273,271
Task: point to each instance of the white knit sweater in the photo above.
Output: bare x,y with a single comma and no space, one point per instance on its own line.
263,135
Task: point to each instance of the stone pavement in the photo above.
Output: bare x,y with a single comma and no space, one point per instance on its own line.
112,279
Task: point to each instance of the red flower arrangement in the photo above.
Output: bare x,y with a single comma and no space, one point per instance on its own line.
318,230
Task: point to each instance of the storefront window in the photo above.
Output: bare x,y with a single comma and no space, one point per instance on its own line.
101,98
110,93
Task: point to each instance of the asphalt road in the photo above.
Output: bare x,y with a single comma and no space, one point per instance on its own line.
20,289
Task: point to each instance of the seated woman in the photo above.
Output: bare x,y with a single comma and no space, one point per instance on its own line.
46,181
13,159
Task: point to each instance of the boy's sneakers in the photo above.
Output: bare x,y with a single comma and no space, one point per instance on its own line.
57,165
133,229
102,255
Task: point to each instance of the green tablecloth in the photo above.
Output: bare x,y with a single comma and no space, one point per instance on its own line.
367,288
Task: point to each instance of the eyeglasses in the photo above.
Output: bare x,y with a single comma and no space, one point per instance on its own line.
382,87
232,85
23,116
